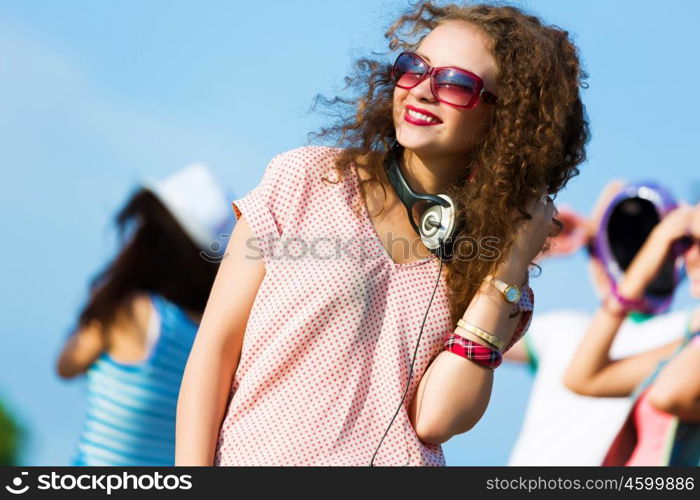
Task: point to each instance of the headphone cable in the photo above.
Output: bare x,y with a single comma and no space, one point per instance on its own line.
415,352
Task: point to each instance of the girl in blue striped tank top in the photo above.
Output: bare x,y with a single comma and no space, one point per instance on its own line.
130,417
134,335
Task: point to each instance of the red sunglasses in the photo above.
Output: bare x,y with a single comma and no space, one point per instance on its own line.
454,86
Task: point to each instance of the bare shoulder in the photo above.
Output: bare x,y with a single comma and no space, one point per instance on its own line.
133,315
137,304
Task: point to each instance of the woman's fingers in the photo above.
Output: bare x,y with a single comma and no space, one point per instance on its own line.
538,204
531,234
544,208
550,208
677,222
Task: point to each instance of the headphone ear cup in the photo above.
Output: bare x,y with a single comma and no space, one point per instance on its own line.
438,223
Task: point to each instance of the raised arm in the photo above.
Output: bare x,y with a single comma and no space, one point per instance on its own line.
214,357
87,343
591,371
454,392
80,351
677,388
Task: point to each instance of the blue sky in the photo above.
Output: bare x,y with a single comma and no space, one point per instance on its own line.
96,95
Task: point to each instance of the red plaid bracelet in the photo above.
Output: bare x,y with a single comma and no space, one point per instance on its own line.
474,351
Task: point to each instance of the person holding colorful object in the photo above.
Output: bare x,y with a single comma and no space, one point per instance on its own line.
662,427
584,426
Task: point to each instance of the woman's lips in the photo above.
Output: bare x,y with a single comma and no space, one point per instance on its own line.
420,117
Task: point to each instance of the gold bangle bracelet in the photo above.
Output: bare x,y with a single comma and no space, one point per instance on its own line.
498,344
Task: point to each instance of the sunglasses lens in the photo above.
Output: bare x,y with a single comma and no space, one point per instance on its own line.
455,87
408,71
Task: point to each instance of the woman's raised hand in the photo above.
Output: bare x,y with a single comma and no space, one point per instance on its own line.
676,224
651,256
531,234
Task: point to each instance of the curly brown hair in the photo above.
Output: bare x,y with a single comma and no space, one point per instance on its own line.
537,135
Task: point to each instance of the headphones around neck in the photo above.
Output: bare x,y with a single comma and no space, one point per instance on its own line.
438,223
437,227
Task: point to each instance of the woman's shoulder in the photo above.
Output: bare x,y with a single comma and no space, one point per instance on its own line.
134,312
127,334
303,166
309,157
311,151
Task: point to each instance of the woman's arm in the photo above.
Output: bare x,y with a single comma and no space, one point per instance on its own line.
454,392
591,371
677,388
80,351
86,345
213,360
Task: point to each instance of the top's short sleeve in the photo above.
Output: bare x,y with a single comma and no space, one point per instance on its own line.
271,206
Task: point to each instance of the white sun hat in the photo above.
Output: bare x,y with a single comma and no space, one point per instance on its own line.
199,204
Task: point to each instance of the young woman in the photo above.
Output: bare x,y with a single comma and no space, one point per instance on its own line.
134,335
337,341
662,426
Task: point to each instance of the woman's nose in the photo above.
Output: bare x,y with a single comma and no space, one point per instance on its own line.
423,92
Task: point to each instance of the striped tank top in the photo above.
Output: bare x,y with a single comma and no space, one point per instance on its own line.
130,418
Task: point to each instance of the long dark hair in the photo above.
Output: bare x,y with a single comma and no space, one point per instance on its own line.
158,257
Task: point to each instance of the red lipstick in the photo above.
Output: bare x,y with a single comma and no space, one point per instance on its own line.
420,121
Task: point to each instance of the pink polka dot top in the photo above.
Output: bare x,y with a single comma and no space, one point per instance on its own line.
332,331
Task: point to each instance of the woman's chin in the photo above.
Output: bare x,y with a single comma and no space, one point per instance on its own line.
414,142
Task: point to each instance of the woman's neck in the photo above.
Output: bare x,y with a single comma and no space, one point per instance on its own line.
430,175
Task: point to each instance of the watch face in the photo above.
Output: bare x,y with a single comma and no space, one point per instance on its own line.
512,295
